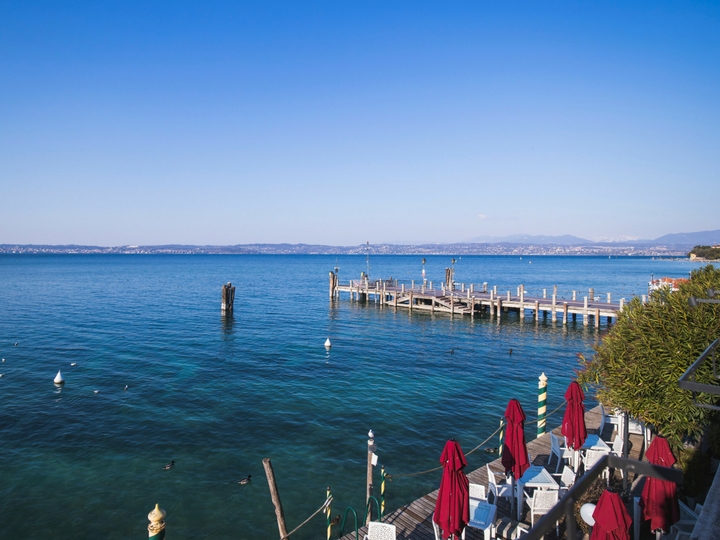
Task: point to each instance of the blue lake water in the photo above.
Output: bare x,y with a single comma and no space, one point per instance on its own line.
218,395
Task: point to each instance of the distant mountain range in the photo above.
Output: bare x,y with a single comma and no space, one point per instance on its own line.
670,245
702,238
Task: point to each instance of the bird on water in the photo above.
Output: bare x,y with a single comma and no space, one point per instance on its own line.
169,466
335,520
126,387
245,480
73,364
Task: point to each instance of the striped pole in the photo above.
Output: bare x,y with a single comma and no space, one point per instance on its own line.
156,529
542,403
328,514
501,436
382,491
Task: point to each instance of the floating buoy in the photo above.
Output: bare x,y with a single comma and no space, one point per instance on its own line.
96,391
327,343
59,379
73,364
2,375
3,359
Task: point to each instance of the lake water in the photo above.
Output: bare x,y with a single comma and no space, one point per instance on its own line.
218,395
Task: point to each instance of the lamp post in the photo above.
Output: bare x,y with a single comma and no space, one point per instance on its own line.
694,302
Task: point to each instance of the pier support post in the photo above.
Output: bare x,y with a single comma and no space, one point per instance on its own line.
609,295
484,286
542,404
537,311
597,317
410,303
554,308
622,304
585,311
452,305
156,529
544,293
430,283
472,307
499,308
522,302
495,289
275,495
228,298
565,313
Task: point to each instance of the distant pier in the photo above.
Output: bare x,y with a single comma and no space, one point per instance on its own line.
474,299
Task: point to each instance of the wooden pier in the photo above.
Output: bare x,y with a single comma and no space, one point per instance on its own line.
414,521
473,299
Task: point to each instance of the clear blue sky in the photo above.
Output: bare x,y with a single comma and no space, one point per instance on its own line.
341,122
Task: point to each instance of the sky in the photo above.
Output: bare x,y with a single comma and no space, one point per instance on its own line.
145,123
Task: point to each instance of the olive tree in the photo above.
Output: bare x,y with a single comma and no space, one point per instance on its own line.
637,365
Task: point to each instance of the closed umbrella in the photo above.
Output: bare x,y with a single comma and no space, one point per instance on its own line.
612,520
573,424
515,457
659,499
452,511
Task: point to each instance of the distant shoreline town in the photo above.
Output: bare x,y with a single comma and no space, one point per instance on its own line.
500,248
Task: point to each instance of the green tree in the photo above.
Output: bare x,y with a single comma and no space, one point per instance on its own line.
637,365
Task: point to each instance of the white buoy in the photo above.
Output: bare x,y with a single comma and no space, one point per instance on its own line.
59,379
327,343
73,364
2,374
96,391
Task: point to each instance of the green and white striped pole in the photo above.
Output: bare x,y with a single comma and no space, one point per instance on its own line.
156,529
542,403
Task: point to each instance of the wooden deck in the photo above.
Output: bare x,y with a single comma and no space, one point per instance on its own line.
413,521
462,299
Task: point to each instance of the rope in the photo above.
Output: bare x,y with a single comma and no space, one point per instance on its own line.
323,507
391,476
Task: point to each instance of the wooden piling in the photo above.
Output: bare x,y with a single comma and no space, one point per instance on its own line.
227,298
554,307
537,311
275,495
585,311
565,313
597,318
522,302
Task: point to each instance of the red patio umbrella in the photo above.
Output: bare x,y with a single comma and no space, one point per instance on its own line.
452,511
573,424
659,497
514,455
612,520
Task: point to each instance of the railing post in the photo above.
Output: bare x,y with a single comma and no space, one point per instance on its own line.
542,403
156,529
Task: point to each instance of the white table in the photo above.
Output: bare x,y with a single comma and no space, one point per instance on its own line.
534,477
594,442
482,516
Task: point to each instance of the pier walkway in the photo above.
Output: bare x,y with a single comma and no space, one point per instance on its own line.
462,299
414,521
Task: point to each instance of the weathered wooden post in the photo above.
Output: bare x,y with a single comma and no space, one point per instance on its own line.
156,529
499,308
522,302
542,403
597,317
554,308
333,283
591,294
544,293
574,295
565,313
585,311
622,304
537,311
275,495
609,295
228,298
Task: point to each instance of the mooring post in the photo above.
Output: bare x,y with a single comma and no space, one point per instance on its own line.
554,308
609,300
371,452
328,515
542,403
597,317
574,295
565,313
591,294
228,298
522,301
275,495
156,529
430,283
544,293
501,436
332,283
585,311
622,304
537,311
382,491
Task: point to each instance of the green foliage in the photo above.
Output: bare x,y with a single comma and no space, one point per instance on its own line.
706,252
637,365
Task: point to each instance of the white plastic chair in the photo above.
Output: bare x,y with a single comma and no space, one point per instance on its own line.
482,516
560,450
541,503
498,490
477,491
592,457
565,480
617,445
380,531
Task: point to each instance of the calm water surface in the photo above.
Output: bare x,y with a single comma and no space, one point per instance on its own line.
219,395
